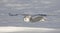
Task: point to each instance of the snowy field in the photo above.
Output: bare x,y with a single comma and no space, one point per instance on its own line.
15,24
11,29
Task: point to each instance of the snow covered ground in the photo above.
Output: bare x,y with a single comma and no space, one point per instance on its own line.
12,29
15,24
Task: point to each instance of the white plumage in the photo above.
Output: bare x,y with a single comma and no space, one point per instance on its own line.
34,19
